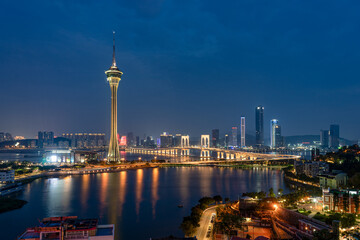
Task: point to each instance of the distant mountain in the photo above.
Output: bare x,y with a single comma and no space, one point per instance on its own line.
301,138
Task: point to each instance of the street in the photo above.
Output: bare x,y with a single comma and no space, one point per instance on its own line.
205,221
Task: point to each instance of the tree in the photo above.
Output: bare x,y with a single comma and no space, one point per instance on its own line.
348,220
248,236
227,199
217,198
206,200
229,222
356,203
323,234
188,227
346,201
280,191
271,192
336,200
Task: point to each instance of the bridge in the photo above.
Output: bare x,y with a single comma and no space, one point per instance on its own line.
212,153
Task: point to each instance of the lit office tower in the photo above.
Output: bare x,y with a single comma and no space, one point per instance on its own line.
334,136
226,140
324,138
242,132
166,140
215,135
275,134
234,136
113,77
177,140
259,125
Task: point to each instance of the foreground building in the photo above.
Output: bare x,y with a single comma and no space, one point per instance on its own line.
343,201
7,176
311,168
333,180
66,228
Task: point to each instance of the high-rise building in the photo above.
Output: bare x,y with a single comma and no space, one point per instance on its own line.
137,141
226,141
5,137
215,135
177,140
234,136
324,138
166,140
45,139
259,125
334,136
275,134
130,139
242,132
85,140
113,77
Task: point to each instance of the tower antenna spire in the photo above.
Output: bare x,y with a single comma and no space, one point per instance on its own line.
113,60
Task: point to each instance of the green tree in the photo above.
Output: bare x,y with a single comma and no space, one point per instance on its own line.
336,200
188,226
323,235
217,199
228,222
356,203
271,192
280,191
227,199
206,200
348,220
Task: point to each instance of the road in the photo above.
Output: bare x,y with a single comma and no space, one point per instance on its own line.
205,221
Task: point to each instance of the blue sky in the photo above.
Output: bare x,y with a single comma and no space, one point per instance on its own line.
189,66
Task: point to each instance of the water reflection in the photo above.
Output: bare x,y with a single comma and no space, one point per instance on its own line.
154,190
122,191
85,191
138,190
103,191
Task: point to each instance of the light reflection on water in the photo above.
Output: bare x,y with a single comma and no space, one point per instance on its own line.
142,203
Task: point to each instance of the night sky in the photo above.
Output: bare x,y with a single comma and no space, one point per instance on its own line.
189,66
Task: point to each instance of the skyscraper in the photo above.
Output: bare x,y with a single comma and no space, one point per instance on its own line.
130,139
324,138
242,132
334,136
215,135
234,136
45,139
226,140
275,134
166,140
259,125
113,77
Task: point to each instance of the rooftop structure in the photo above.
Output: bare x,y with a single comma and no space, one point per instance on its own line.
71,227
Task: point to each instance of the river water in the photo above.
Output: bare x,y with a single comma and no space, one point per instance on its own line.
141,203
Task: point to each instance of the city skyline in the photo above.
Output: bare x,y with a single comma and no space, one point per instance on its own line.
174,79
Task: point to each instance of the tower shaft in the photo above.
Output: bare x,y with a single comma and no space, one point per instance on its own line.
113,154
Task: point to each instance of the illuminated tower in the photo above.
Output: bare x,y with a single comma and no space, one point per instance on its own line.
113,77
